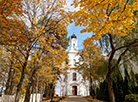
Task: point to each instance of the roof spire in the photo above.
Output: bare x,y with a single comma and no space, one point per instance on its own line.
73,36
73,31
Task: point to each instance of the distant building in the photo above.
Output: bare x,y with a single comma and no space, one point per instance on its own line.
73,83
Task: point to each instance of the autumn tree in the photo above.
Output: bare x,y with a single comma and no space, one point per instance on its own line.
57,66
107,17
90,60
9,22
43,31
10,69
48,69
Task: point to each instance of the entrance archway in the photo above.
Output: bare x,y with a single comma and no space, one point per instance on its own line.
74,90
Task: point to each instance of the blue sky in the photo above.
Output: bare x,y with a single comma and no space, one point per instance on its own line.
80,36
76,29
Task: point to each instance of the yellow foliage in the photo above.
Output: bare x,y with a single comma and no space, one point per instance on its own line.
105,16
90,60
30,40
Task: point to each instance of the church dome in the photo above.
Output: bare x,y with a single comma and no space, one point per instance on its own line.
73,36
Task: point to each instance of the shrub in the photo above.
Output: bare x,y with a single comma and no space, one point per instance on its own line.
102,92
44,95
90,100
131,98
52,101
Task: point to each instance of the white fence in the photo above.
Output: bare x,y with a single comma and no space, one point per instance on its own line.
36,97
11,98
7,98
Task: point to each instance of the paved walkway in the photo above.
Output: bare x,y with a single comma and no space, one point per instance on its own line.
74,99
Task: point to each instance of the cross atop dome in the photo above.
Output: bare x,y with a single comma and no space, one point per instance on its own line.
73,35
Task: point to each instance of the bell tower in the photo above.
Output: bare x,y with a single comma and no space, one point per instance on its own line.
73,83
74,42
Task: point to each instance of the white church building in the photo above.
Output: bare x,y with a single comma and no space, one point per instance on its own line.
73,83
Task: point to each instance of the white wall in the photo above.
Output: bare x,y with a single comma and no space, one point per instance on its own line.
66,85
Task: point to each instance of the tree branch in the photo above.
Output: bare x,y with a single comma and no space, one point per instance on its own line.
119,59
134,42
113,49
125,6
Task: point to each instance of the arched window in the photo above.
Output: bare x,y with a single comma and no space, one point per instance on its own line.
74,60
74,76
74,46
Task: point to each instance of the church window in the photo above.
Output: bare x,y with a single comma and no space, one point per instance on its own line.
74,76
74,46
74,60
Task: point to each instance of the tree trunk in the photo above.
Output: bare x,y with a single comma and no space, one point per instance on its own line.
18,92
11,83
33,93
8,82
28,92
11,89
110,88
47,90
91,88
109,81
21,81
9,79
30,85
52,91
